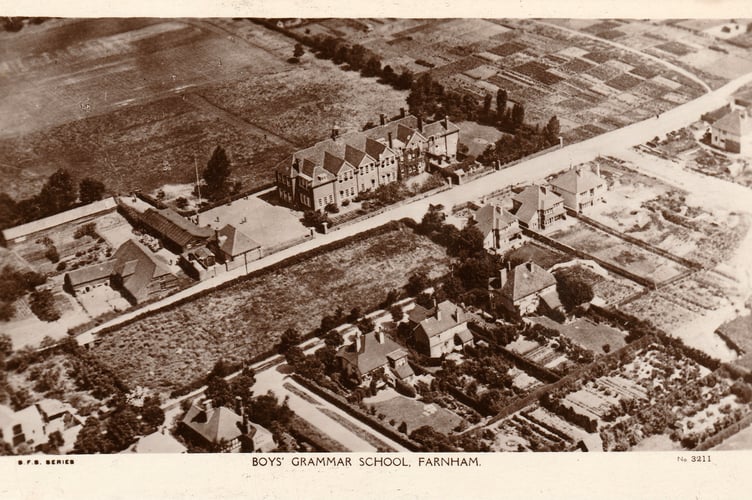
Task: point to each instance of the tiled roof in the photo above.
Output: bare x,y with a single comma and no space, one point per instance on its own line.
88,274
577,180
526,279
450,316
234,242
534,198
215,425
419,313
490,217
736,122
372,354
174,227
157,442
333,163
403,371
138,266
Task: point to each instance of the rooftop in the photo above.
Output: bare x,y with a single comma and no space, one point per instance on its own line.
157,442
577,180
233,241
372,354
447,316
174,227
215,424
736,122
526,279
137,266
493,217
535,198
88,274
59,219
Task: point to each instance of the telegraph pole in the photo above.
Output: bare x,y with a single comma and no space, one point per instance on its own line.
198,189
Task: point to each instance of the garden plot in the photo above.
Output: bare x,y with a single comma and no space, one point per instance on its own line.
663,313
414,413
530,430
618,252
172,347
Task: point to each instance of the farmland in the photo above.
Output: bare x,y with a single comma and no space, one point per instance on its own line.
144,97
171,348
587,83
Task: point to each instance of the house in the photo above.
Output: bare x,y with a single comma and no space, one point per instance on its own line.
522,289
79,215
338,169
158,442
139,275
230,430
444,331
580,188
176,233
22,426
538,208
733,132
134,270
60,417
500,228
372,351
234,248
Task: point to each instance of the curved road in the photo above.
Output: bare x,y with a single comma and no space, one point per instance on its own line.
610,143
621,46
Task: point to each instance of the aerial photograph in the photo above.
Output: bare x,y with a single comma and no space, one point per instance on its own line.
257,235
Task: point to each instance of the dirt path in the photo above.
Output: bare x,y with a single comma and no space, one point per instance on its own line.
201,103
621,46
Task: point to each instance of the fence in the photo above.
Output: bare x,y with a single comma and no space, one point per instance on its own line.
583,255
631,239
531,156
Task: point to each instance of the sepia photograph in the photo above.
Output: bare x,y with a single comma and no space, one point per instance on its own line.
349,242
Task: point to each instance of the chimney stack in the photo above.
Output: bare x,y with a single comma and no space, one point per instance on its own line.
382,118
446,122
380,334
420,123
503,276
238,405
207,405
335,133
358,341
402,112
543,189
598,169
389,135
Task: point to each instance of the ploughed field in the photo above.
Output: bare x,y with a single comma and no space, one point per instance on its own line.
172,348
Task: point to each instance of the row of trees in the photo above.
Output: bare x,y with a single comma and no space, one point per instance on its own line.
14,284
59,193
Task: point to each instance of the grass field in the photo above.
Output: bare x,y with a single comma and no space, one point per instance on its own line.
416,414
133,101
172,348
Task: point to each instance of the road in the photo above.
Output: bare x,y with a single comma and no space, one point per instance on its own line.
611,143
621,46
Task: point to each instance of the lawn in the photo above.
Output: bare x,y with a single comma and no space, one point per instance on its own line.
417,414
478,137
171,348
587,334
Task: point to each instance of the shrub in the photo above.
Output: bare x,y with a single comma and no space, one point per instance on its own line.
405,389
42,304
332,208
51,254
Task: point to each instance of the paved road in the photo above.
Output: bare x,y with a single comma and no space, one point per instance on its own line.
611,143
621,46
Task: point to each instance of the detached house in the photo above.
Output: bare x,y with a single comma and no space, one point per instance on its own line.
208,426
579,188
499,227
22,426
338,169
234,248
522,289
443,332
372,351
538,208
733,132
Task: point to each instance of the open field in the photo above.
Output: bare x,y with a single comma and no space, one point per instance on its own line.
586,334
171,348
144,97
477,137
415,413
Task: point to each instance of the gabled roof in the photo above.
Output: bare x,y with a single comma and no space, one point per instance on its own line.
526,279
53,407
440,128
375,148
491,217
419,313
137,266
534,198
174,227
737,122
157,442
234,242
91,273
355,156
333,163
450,316
372,354
577,180
214,425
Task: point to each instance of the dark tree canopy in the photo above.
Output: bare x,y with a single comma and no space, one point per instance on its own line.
90,190
572,290
217,174
552,130
58,194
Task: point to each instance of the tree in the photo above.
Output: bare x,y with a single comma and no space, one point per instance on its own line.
501,103
518,116
405,80
290,337
416,283
57,195
552,130
572,290
9,214
469,242
487,105
152,414
181,202
372,67
122,427
6,344
42,304
265,410
90,190
90,439
298,50
217,173
388,74
218,390
294,355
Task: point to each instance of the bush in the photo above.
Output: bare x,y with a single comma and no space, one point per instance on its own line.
89,229
405,389
61,266
42,304
51,254
332,208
